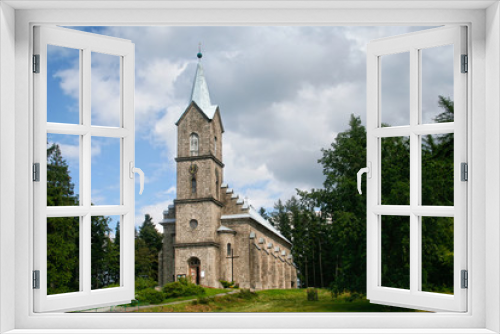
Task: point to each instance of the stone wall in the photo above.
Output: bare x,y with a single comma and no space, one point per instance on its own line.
206,213
166,257
194,121
225,259
209,260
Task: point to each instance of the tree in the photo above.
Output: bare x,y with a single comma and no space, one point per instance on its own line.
63,236
63,246
105,254
150,234
339,201
148,243
263,213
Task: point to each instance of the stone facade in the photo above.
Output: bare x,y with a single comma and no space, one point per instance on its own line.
210,234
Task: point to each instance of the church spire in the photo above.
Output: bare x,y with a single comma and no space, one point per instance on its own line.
200,94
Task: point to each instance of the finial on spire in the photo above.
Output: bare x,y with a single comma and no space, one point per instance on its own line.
199,55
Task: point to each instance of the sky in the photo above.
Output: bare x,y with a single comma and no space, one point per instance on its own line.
284,94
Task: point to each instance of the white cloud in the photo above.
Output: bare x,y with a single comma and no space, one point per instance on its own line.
70,152
284,93
155,210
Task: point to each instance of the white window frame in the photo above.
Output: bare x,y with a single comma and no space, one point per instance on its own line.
86,43
483,20
412,44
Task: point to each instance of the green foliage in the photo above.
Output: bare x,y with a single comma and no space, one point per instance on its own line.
142,283
312,294
60,189
263,213
202,301
148,243
105,254
227,284
63,255
331,222
63,236
181,288
150,295
246,294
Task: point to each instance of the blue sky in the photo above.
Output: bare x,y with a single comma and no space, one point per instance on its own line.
284,93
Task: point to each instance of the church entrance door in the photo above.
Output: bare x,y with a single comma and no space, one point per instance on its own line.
194,270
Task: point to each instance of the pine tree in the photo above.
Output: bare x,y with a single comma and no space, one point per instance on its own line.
63,241
148,243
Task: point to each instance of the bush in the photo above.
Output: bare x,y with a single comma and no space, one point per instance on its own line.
334,290
226,284
354,296
150,295
142,283
312,294
182,288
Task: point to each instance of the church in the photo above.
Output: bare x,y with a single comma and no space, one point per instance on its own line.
209,233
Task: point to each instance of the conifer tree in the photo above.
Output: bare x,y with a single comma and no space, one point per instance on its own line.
63,242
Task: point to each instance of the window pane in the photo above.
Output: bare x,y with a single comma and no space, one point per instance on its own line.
395,170
105,252
105,171
396,252
63,255
63,170
106,104
395,89
437,254
63,85
437,169
437,84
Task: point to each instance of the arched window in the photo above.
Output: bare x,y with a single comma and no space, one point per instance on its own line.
193,185
215,146
193,144
229,249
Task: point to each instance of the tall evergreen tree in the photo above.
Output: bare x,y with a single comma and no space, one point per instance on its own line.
148,243
63,241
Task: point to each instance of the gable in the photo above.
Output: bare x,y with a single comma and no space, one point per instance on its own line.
191,106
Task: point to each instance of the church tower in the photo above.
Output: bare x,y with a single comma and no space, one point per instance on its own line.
210,233
198,205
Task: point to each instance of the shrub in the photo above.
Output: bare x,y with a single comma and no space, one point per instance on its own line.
182,288
226,284
334,290
150,295
312,294
142,283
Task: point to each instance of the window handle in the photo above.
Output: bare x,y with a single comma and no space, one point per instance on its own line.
368,171
134,170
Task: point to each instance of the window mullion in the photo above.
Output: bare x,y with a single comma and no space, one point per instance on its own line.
85,240
414,172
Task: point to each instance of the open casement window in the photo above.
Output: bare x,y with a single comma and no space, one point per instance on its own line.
80,286
417,204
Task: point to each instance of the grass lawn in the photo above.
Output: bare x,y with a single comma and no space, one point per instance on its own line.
208,293
293,300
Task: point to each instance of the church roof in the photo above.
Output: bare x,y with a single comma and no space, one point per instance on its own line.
254,215
224,229
200,94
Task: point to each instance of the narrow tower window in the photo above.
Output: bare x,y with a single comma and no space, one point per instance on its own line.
215,146
193,185
193,144
229,249
216,184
